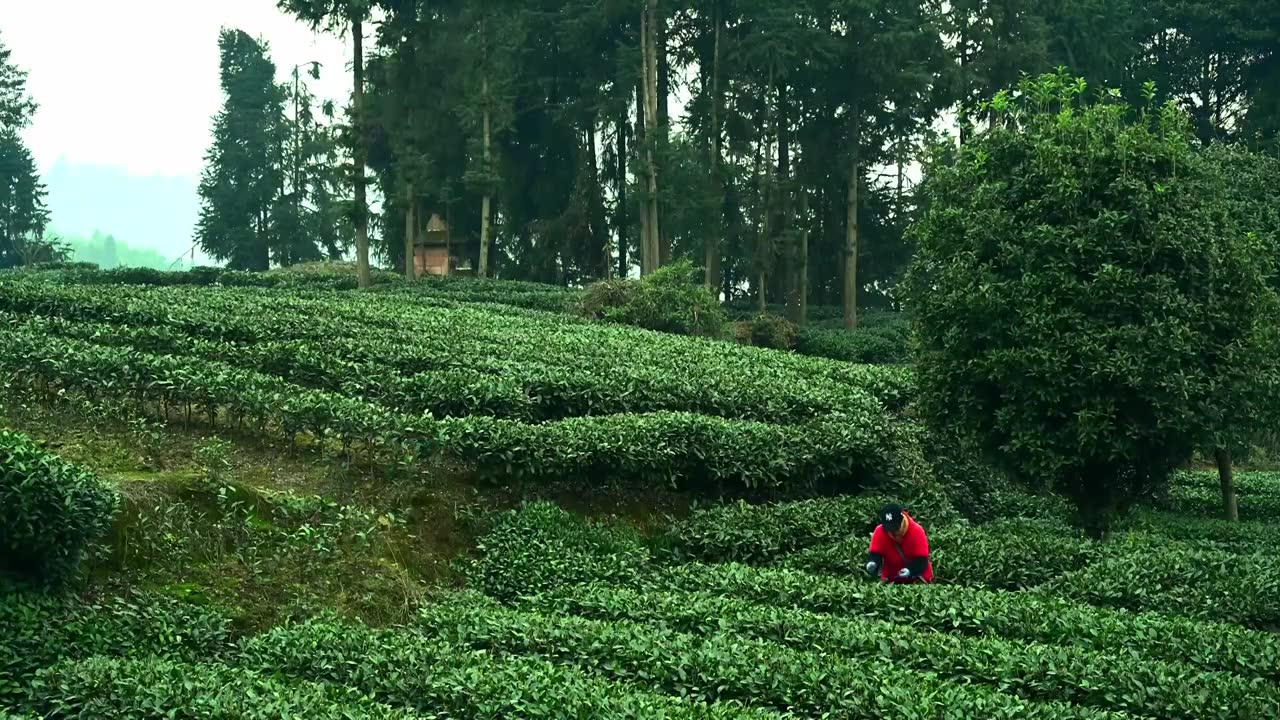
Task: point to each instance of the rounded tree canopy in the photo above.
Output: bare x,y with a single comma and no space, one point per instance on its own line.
1087,306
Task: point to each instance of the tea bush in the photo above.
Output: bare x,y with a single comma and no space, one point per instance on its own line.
41,629
765,533
669,300
1026,617
771,331
1033,671
159,689
51,511
439,679
723,667
1200,583
540,546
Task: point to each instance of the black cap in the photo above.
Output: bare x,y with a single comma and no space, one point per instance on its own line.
891,517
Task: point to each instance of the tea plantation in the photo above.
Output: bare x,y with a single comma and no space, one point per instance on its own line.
133,588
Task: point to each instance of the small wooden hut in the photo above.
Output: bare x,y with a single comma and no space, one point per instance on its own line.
436,252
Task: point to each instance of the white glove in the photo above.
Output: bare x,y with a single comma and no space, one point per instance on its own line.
872,568
904,573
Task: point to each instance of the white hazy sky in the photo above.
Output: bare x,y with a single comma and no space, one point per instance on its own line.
134,83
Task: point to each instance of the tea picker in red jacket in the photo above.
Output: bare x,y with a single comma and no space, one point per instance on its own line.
899,551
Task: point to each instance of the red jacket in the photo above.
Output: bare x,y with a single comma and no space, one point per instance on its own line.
913,545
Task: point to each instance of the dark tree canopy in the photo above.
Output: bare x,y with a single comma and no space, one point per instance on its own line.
1084,297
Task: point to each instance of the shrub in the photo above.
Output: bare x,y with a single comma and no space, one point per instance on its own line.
1082,294
669,300
723,666
765,533
540,546
41,629
404,668
158,689
859,346
1032,671
50,511
1027,617
771,331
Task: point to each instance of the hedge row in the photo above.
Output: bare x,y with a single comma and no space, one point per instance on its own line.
1006,555
1199,583
51,511
766,533
409,670
566,367
1206,501
414,382
1026,617
1252,535
695,451
724,667
1032,671
40,630
159,689
540,547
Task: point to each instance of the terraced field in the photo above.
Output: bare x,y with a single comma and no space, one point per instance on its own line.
733,611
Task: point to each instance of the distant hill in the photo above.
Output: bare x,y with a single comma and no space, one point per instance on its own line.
152,212
107,252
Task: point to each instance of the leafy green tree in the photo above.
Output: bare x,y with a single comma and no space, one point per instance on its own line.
1249,399
23,214
1081,294
242,180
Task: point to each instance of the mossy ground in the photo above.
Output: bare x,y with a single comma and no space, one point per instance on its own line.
267,532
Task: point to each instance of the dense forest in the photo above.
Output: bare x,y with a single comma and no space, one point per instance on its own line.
568,141
774,144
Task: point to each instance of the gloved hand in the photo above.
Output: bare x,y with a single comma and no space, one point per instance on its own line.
872,568
903,574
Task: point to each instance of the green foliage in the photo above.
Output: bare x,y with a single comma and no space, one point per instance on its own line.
1029,671
772,331
1086,306
540,547
405,668
670,300
157,689
723,667
23,214
1025,617
50,511
765,533
860,346
40,630
626,403
1200,583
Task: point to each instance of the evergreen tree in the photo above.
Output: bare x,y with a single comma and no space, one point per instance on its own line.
242,181
23,214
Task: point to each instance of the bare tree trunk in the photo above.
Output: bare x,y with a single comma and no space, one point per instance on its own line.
651,260
802,272
643,246
1227,480
410,229
599,230
662,101
358,151
851,222
711,245
486,122
623,216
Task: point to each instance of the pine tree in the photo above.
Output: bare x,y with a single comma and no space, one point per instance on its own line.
23,215
242,180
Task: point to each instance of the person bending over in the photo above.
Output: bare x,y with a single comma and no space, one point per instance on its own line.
899,551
